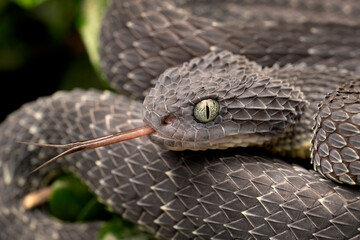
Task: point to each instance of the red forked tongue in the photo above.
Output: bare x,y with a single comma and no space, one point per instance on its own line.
94,143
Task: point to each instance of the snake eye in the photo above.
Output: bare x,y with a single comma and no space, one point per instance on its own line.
206,110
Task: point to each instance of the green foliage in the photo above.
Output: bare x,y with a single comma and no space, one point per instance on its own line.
58,16
43,48
28,3
73,24
72,201
119,229
89,23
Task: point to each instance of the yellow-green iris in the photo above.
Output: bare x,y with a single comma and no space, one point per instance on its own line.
206,110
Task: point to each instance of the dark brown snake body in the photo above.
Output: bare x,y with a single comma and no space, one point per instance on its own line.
217,194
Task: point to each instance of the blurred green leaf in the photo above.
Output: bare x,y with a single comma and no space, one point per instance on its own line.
89,23
28,3
71,200
119,229
91,210
59,16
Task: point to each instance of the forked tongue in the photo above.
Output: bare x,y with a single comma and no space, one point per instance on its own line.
94,143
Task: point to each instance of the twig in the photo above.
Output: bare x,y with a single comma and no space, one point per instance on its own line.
37,198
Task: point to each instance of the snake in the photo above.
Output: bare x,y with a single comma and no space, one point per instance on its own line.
232,89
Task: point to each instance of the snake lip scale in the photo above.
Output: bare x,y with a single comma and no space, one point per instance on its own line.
259,82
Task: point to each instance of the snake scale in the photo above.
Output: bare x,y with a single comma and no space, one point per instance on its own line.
267,72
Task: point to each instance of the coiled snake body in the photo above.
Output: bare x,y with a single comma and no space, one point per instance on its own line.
215,194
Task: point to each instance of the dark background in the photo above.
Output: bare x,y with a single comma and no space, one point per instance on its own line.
41,51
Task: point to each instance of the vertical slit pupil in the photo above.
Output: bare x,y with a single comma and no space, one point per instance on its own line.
207,111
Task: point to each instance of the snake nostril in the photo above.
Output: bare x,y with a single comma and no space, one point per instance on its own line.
167,120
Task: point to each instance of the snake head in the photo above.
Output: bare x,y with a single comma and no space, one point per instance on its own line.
241,103
216,101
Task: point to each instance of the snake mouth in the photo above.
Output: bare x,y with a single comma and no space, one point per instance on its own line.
94,143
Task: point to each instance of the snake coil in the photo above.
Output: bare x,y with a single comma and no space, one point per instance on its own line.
278,74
